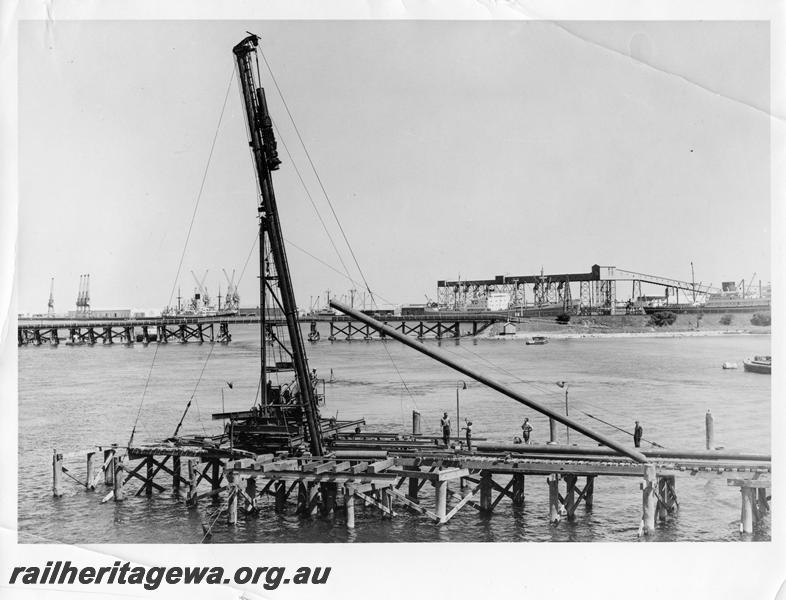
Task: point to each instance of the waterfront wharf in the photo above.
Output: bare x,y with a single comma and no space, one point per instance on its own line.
182,329
366,471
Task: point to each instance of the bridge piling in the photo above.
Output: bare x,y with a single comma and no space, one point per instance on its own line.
518,489
57,474
554,503
648,500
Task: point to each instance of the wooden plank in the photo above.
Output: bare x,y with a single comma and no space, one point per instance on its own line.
272,467
381,465
465,500
344,477
371,500
359,468
413,505
266,489
503,492
571,508
143,451
441,475
243,463
749,483
262,460
214,492
472,503
134,473
163,467
319,467
159,466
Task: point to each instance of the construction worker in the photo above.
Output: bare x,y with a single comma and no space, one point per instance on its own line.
638,431
526,429
469,435
445,423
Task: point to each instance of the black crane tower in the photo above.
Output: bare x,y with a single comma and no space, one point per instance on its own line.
275,288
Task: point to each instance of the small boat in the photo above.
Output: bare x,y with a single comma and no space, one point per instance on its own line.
758,364
537,340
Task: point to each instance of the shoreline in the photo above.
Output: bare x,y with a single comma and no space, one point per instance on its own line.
552,335
631,326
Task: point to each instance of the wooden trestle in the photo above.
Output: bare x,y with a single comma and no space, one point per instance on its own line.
125,334
392,480
216,329
421,329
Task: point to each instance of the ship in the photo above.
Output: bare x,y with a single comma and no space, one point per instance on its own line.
200,304
758,364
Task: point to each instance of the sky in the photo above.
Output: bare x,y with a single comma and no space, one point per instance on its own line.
447,149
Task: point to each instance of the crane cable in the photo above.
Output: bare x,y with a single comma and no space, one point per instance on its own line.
553,393
330,204
316,173
183,253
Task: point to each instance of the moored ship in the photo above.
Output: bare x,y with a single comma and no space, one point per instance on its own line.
758,364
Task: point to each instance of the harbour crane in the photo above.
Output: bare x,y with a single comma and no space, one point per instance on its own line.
750,283
201,293
51,304
232,299
83,296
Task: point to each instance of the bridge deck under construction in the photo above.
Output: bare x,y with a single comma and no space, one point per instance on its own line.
365,469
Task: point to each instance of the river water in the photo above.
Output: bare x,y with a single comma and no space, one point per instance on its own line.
71,398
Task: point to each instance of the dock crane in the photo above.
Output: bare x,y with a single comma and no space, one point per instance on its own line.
741,284
200,296
232,298
750,284
51,304
83,296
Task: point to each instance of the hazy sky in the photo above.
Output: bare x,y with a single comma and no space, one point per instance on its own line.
447,148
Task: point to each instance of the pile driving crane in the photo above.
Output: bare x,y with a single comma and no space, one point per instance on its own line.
280,410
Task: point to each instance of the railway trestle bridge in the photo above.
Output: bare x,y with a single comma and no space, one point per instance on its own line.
78,332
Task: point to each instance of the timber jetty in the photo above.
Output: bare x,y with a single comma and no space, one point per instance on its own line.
387,473
86,331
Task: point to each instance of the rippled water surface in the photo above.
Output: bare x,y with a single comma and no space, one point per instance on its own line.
71,398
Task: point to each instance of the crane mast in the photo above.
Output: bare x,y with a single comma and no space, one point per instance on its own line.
263,146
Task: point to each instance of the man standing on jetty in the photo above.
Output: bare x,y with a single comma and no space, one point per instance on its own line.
469,435
526,429
445,422
638,431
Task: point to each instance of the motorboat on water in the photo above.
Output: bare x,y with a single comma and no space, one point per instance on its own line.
758,364
537,340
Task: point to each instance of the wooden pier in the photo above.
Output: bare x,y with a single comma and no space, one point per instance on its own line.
122,331
395,482
80,332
